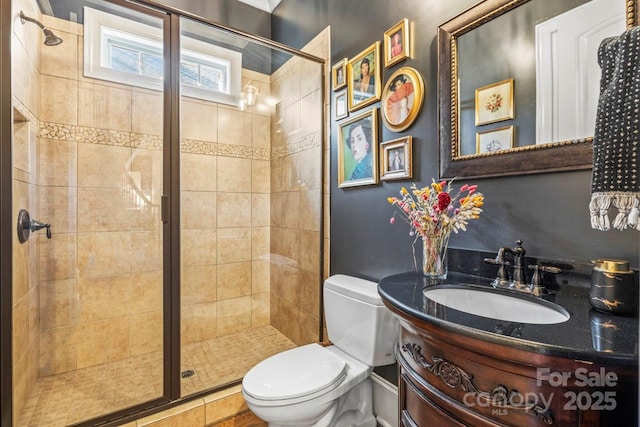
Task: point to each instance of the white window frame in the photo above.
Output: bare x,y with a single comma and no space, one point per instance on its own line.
97,24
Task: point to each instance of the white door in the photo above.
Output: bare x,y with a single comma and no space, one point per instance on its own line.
567,70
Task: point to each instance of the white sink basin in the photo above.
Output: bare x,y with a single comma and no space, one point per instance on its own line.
498,305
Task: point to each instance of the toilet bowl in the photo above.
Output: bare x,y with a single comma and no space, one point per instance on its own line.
303,386
320,386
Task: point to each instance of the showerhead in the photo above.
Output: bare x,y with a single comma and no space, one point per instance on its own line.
50,39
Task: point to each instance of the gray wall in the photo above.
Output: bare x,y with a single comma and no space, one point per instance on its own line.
549,212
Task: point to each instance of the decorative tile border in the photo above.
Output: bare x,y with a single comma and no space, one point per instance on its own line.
152,142
103,136
195,146
58,131
296,146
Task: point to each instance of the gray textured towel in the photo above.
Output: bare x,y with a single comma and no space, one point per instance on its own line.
615,177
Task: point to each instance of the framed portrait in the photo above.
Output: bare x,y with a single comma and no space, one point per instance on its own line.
358,150
494,140
340,105
402,98
363,74
494,102
397,43
395,159
339,74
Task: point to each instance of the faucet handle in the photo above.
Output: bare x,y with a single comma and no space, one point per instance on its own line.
502,278
536,287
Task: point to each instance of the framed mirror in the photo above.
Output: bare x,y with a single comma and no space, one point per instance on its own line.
505,64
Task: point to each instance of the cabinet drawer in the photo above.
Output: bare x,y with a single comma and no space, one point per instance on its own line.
419,410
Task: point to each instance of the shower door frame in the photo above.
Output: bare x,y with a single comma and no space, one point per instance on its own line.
6,215
170,211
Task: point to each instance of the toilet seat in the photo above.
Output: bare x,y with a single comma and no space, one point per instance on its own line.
299,374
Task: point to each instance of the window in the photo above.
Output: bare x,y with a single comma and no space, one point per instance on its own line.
130,52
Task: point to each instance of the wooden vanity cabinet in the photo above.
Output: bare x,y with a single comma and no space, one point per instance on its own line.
450,379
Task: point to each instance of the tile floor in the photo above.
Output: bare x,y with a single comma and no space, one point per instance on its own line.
71,397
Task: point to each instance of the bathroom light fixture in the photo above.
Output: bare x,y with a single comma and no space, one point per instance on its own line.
250,92
50,39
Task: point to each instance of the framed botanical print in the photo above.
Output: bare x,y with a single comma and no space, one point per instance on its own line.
494,102
395,159
397,43
358,150
494,140
340,105
363,74
339,74
402,98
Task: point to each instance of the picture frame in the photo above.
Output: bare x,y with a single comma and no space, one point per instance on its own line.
339,74
494,140
402,98
396,161
358,150
397,43
494,102
340,107
365,90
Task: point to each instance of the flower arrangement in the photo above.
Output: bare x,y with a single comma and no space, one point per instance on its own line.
432,214
494,103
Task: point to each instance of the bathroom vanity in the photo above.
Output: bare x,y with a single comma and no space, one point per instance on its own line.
461,369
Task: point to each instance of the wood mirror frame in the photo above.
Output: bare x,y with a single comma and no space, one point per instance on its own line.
552,157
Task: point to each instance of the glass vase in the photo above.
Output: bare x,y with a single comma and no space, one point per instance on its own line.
434,256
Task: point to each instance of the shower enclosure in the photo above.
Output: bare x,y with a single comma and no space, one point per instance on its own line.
172,172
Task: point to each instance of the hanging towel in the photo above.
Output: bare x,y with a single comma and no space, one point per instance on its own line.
615,179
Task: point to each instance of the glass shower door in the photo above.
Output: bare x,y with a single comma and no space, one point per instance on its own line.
88,160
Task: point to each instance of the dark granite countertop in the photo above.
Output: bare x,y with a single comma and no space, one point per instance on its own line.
581,337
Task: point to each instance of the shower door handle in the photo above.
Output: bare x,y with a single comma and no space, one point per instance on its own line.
164,208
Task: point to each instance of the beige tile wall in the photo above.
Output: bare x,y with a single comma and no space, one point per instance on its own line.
296,196
225,187
26,289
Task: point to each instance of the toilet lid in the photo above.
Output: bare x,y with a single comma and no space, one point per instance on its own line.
295,373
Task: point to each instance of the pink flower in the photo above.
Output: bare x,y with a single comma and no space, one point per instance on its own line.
465,187
392,220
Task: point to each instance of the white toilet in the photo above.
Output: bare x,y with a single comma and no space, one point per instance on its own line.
320,386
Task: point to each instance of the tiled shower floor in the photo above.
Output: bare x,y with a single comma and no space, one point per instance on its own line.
71,397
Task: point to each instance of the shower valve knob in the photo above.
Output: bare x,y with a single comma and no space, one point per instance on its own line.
26,225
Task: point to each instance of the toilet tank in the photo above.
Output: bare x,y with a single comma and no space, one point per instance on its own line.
358,322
